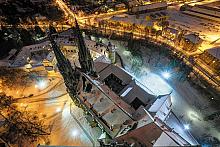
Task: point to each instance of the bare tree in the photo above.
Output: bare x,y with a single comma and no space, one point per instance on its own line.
13,78
20,126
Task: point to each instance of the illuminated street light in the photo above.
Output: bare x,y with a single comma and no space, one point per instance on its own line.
74,133
58,110
41,84
186,126
166,75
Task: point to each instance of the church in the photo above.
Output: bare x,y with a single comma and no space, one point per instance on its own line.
126,111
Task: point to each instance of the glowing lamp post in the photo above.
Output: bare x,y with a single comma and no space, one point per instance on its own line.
41,84
166,75
186,127
58,110
74,133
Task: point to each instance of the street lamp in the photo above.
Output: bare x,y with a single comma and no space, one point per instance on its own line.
186,127
74,133
58,110
166,75
41,84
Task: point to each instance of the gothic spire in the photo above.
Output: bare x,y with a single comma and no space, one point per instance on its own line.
85,58
71,76
61,60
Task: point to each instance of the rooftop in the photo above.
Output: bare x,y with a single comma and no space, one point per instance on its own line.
193,38
121,103
215,5
172,30
215,52
132,19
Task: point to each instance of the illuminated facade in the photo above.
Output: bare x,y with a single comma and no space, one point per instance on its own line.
148,8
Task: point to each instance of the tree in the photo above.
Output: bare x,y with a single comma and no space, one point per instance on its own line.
14,78
158,33
5,101
9,39
53,13
19,126
52,30
38,31
26,37
136,65
164,24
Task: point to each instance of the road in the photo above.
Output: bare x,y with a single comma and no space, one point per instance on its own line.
52,103
28,26
72,16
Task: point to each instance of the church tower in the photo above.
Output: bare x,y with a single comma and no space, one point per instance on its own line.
70,75
85,58
111,53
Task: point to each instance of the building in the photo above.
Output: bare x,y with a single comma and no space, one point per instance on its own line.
210,11
32,52
46,58
159,16
190,42
211,57
141,24
50,62
139,9
122,24
170,33
40,54
125,109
